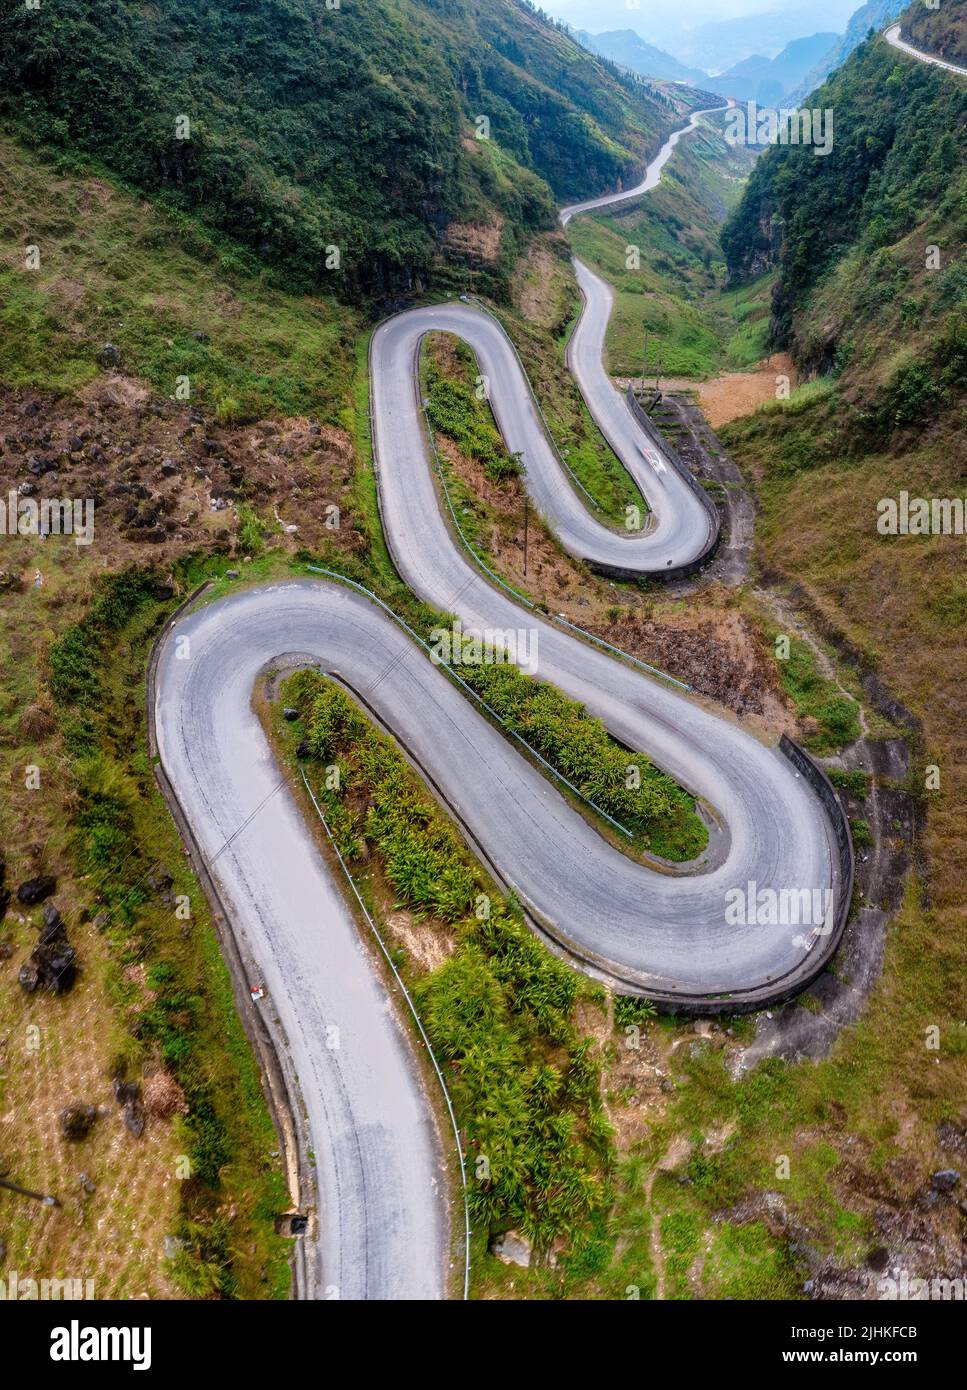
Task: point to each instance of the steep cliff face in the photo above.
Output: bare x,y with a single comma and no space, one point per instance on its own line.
866,238
941,31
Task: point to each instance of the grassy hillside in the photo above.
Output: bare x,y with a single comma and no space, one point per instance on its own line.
311,128
849,234
848,237
174,300
942,32
669,309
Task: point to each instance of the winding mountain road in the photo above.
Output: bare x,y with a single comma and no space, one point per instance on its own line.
892,36
383,1227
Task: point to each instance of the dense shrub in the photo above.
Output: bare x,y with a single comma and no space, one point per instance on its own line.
527,1088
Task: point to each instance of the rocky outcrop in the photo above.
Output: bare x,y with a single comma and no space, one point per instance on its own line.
76,1121
35,890
53,961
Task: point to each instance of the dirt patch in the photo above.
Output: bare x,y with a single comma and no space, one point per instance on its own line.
427,944
715,649
551,574
538,288
726,397
481,240
163,480
634,1072
68,290
114,392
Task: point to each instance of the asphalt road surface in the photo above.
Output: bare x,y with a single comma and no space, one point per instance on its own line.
892,36
383,1220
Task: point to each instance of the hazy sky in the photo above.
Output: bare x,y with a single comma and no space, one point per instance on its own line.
653,18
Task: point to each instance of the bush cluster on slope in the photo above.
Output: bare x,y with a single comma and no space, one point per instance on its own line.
580,747
498,1011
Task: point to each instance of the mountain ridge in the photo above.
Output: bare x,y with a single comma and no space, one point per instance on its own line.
341,145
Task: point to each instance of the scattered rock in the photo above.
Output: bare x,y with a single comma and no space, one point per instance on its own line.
945,1179
53,929
134,1118
53,961
57,965
290,713
35,890
76,1121
29,978
159,880
109,356
949,1136
86,1185
512,1249
126,1092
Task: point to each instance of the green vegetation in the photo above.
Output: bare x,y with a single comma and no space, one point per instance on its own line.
855,782
859,292
627,785
835,715
176,301
270,176
121,829
456,410
870,190
292,109
630,1011
862,836
856,297
499,1010
746,1262
672,312
942,33
572,429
